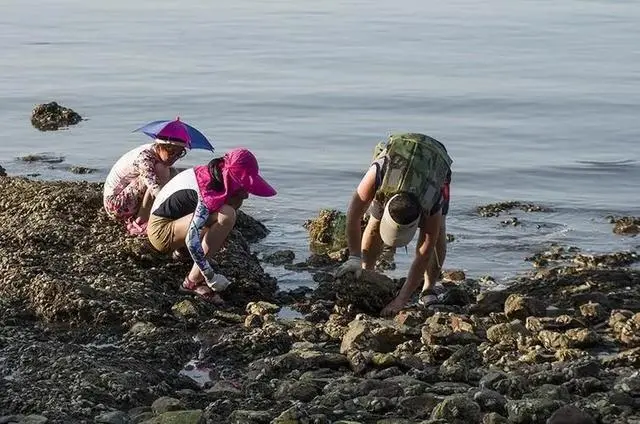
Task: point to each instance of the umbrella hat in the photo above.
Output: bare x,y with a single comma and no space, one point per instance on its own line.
177,130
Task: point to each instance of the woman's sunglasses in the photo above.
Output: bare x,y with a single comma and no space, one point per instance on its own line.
177,151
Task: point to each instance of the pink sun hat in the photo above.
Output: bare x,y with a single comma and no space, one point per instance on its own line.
241,170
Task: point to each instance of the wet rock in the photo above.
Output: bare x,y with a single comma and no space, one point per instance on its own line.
33,419
628,332
366,290
551,391
490,401
81,170
43,158
566,355
184,309
114,417
280,257
618,259
594,312
456,295
532,411
250,228
489,301
177,417
574,338
559,323
3,172
253,321
630,384
419,406
457,409
514,386
580,368
411,318
166,404
303,359
304,391
512,222
51,116
454,275
316,262
520,307
458,367
508,334
327,231
626,225
441,329
569,414
494,418
224,390
262,308
586,386
242,416
378,335
495,209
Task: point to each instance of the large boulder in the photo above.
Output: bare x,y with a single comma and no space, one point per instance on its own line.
378,335
52,116
366,290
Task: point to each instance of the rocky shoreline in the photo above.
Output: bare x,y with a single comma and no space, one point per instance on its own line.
93,329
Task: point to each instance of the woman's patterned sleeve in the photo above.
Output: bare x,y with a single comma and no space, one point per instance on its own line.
194,245
146,166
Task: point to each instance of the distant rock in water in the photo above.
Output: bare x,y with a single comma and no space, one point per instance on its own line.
51,116
495,209
3,172
625,225
42,157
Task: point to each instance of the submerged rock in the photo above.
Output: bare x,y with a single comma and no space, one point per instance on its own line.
625,225
43,157
75,169
495,209
280,257
51,116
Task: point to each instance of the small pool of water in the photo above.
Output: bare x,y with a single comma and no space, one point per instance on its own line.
198,373
289,313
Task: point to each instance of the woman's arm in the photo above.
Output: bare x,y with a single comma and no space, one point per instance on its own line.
194,245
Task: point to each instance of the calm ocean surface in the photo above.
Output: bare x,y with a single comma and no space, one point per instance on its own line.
535,100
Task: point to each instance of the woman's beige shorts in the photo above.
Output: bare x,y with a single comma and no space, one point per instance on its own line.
161,233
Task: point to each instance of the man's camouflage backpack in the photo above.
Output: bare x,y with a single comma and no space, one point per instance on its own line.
413,163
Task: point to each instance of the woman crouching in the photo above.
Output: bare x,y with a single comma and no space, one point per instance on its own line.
197,209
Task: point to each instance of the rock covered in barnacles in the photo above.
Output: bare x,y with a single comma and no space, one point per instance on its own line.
368,291
625,225
51,116
327,231
495,209
74,264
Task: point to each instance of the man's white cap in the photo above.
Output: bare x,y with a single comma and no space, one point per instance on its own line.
394,234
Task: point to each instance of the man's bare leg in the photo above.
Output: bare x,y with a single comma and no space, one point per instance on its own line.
371,243
436,260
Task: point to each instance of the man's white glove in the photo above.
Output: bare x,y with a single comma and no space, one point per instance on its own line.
353,264
217,282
